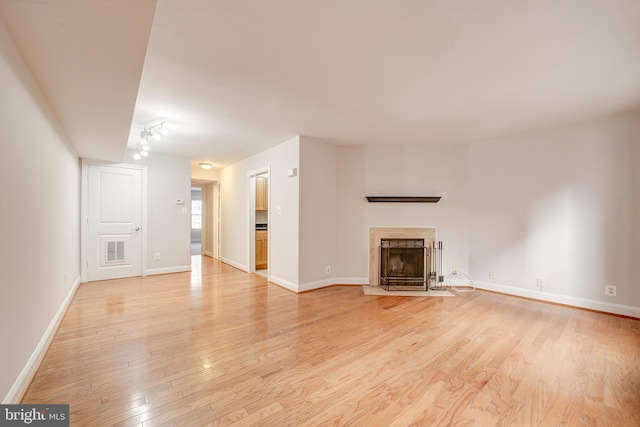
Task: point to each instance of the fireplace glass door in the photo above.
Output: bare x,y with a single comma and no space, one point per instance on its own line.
403,264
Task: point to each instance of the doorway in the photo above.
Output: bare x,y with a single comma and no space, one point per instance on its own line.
259,200
206,213
196,221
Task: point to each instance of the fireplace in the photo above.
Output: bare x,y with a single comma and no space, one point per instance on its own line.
403,264
377,234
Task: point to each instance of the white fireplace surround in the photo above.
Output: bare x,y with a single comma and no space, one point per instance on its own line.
376,234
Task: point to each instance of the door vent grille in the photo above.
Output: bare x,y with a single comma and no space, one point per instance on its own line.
115,251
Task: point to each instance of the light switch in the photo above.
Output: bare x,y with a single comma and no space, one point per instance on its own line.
184,210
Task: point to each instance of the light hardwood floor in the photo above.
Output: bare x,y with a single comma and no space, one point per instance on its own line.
221,347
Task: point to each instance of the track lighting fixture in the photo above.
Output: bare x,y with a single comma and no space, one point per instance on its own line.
148,133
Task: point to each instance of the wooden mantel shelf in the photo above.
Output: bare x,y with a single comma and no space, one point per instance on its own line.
403,199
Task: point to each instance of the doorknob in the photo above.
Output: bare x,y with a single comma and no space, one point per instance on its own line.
135,229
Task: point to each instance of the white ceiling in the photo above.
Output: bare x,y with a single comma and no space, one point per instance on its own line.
233,78
87,57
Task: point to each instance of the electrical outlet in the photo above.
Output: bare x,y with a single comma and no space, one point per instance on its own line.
540,283
327,269
492,275
156,256
610,290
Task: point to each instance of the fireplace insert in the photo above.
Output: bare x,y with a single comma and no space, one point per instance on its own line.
403,264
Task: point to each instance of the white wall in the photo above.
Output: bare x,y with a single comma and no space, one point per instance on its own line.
561,204
318,212
334,216
283,202
168,228
400,170
39,220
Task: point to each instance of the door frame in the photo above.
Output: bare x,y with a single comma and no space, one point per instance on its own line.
251,216
216,206
84,214
213,205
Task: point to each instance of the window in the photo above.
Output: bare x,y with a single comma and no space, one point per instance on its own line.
196,214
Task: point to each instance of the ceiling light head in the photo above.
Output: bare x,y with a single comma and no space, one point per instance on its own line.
155,132
205,166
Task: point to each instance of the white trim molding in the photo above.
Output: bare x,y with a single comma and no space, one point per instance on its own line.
251,215
607,307
284,283
168,270
21,383
234,264
309,286
347,281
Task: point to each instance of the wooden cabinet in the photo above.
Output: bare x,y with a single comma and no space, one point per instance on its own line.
261,249
262,197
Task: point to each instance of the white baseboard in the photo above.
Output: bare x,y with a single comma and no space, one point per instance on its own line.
604,306
167,270
315,285
607,307
24,379
284,283
357,281
234,264
208,253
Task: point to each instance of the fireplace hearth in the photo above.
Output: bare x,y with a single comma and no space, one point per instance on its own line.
403,264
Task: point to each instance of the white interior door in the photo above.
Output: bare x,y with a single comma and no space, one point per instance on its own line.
114,245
